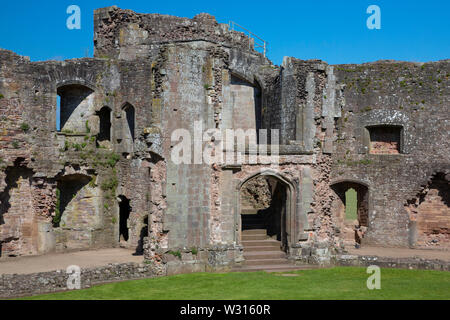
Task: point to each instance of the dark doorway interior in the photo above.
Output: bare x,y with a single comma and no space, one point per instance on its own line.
105,124
271,218
124,214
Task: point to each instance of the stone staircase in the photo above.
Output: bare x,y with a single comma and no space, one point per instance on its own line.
262,253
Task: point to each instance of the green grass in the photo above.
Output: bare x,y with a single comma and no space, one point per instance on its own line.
332,283
351,204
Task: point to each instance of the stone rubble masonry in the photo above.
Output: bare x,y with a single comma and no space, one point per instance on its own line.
176,73
16,285
388,262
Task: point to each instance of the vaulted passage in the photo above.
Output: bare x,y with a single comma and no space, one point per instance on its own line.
124,215
351,209
431,213
264,203
263,206
75,105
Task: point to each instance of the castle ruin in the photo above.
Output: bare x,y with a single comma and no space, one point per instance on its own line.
86,149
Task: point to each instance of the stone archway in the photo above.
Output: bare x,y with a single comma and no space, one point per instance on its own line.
276,216
351,209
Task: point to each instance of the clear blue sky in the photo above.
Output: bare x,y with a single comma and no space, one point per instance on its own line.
334,31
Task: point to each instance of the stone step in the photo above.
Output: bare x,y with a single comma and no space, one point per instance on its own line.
262,248
263,262
254,231
246,237
264,255
261,243
274,268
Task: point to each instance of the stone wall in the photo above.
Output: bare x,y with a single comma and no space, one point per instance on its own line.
16,285
138,35
413,97
385,262
31,142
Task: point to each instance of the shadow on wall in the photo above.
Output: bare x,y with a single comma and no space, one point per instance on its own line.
124,215
272,216
247,104
126,134
12,217
76,102
13,174
67,189
143,234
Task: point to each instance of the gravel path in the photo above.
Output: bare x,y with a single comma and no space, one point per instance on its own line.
55,261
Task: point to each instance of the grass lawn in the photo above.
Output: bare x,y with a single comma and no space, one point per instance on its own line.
332,283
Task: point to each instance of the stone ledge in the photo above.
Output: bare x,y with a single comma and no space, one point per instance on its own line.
388,262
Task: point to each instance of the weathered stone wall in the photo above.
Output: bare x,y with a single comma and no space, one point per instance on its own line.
30,140
127,35
429,214
413,96
387,262
256,194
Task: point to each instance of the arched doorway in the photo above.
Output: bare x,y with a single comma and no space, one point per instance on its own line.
265,209
351,208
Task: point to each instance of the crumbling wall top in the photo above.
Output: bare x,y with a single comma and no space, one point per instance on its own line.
125,34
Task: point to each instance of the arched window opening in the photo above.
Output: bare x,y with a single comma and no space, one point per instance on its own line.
105,124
